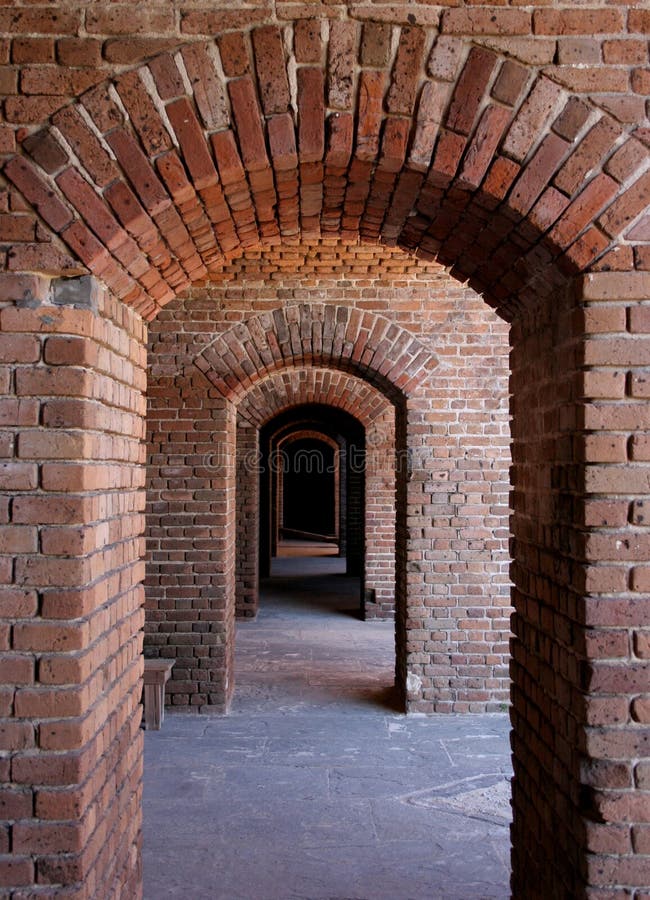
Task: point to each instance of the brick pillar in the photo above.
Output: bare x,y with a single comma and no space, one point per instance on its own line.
402,579
343,494
71,499
452,550
248,520
580,669
190,583
380,518
355,506
612,638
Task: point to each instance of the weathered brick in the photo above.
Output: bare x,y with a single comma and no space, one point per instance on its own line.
234,54
32,50
143,114
307,41
130,50
209,92
625,51
433,101
537,173
86,246
46,151
485,21
375,44
124,19
572,119
166,76
341,54
311,120
470,90
139,171
510,82
446,57
282,142
39,21
629,158
577,21
79,52
193,144
214,21
102,109
589,152
626,207
535,113
247,119
92,208
271,69
38,192
406,71
586,79
86,145
369,121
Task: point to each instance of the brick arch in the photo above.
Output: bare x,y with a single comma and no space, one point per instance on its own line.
316,384
381,352
385,132
311,433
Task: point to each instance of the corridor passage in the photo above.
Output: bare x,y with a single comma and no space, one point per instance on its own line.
314,787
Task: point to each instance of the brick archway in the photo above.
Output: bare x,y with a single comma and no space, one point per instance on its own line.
532,190
320,443
383,354
287,353
334,389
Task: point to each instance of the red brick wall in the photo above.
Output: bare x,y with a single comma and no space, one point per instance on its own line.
613,635
453,363
580,650
72,503
545,661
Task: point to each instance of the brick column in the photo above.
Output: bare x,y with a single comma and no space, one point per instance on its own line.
612,638
581,676
379,523
248,520
71,499
355,507
190,584
452,553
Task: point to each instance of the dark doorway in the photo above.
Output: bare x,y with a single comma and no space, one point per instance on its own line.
310,479
312,484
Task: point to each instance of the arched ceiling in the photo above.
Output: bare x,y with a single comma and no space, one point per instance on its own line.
371,133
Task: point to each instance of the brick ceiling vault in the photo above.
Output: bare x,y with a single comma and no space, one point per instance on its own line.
381,133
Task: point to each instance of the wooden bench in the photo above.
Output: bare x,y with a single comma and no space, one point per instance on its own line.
156,675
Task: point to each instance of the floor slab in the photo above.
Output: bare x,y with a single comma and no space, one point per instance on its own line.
315,787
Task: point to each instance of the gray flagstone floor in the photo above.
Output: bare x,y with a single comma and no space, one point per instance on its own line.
314,787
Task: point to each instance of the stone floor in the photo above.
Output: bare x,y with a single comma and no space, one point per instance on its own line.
314,787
